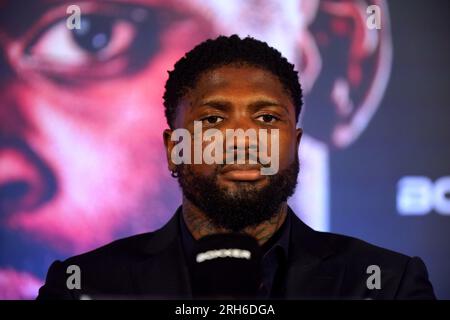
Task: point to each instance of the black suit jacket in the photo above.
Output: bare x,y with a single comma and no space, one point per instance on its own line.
320,266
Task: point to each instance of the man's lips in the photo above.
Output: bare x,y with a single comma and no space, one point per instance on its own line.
242,172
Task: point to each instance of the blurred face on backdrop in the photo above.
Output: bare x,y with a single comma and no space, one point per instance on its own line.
81,157
81,122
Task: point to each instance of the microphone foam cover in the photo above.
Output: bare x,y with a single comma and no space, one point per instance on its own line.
226,266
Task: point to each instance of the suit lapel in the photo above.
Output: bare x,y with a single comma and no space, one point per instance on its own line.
163,271
311,272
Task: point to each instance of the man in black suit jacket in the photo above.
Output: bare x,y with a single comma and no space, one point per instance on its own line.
322,266
233,83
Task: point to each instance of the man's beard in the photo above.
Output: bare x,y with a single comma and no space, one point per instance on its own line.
247,206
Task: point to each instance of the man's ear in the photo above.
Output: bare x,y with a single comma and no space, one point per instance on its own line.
298,136
169,144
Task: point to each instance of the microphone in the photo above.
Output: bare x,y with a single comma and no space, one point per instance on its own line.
226,266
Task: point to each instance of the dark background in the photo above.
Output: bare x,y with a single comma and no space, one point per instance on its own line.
409,136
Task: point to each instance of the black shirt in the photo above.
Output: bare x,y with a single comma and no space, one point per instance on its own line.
275,256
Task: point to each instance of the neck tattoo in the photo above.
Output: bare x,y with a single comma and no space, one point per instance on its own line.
200,225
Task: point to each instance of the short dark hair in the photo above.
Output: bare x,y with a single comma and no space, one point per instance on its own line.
221,51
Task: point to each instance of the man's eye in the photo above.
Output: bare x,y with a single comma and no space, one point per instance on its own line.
212,119
97,33
99,38
112,40
267,118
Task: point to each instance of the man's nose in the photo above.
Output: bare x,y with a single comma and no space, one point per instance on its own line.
241,140
26,181
247,125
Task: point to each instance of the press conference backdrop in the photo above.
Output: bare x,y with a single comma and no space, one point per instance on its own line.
81,117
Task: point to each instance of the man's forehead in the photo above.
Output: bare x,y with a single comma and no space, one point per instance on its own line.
232,80
230,99
227,74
